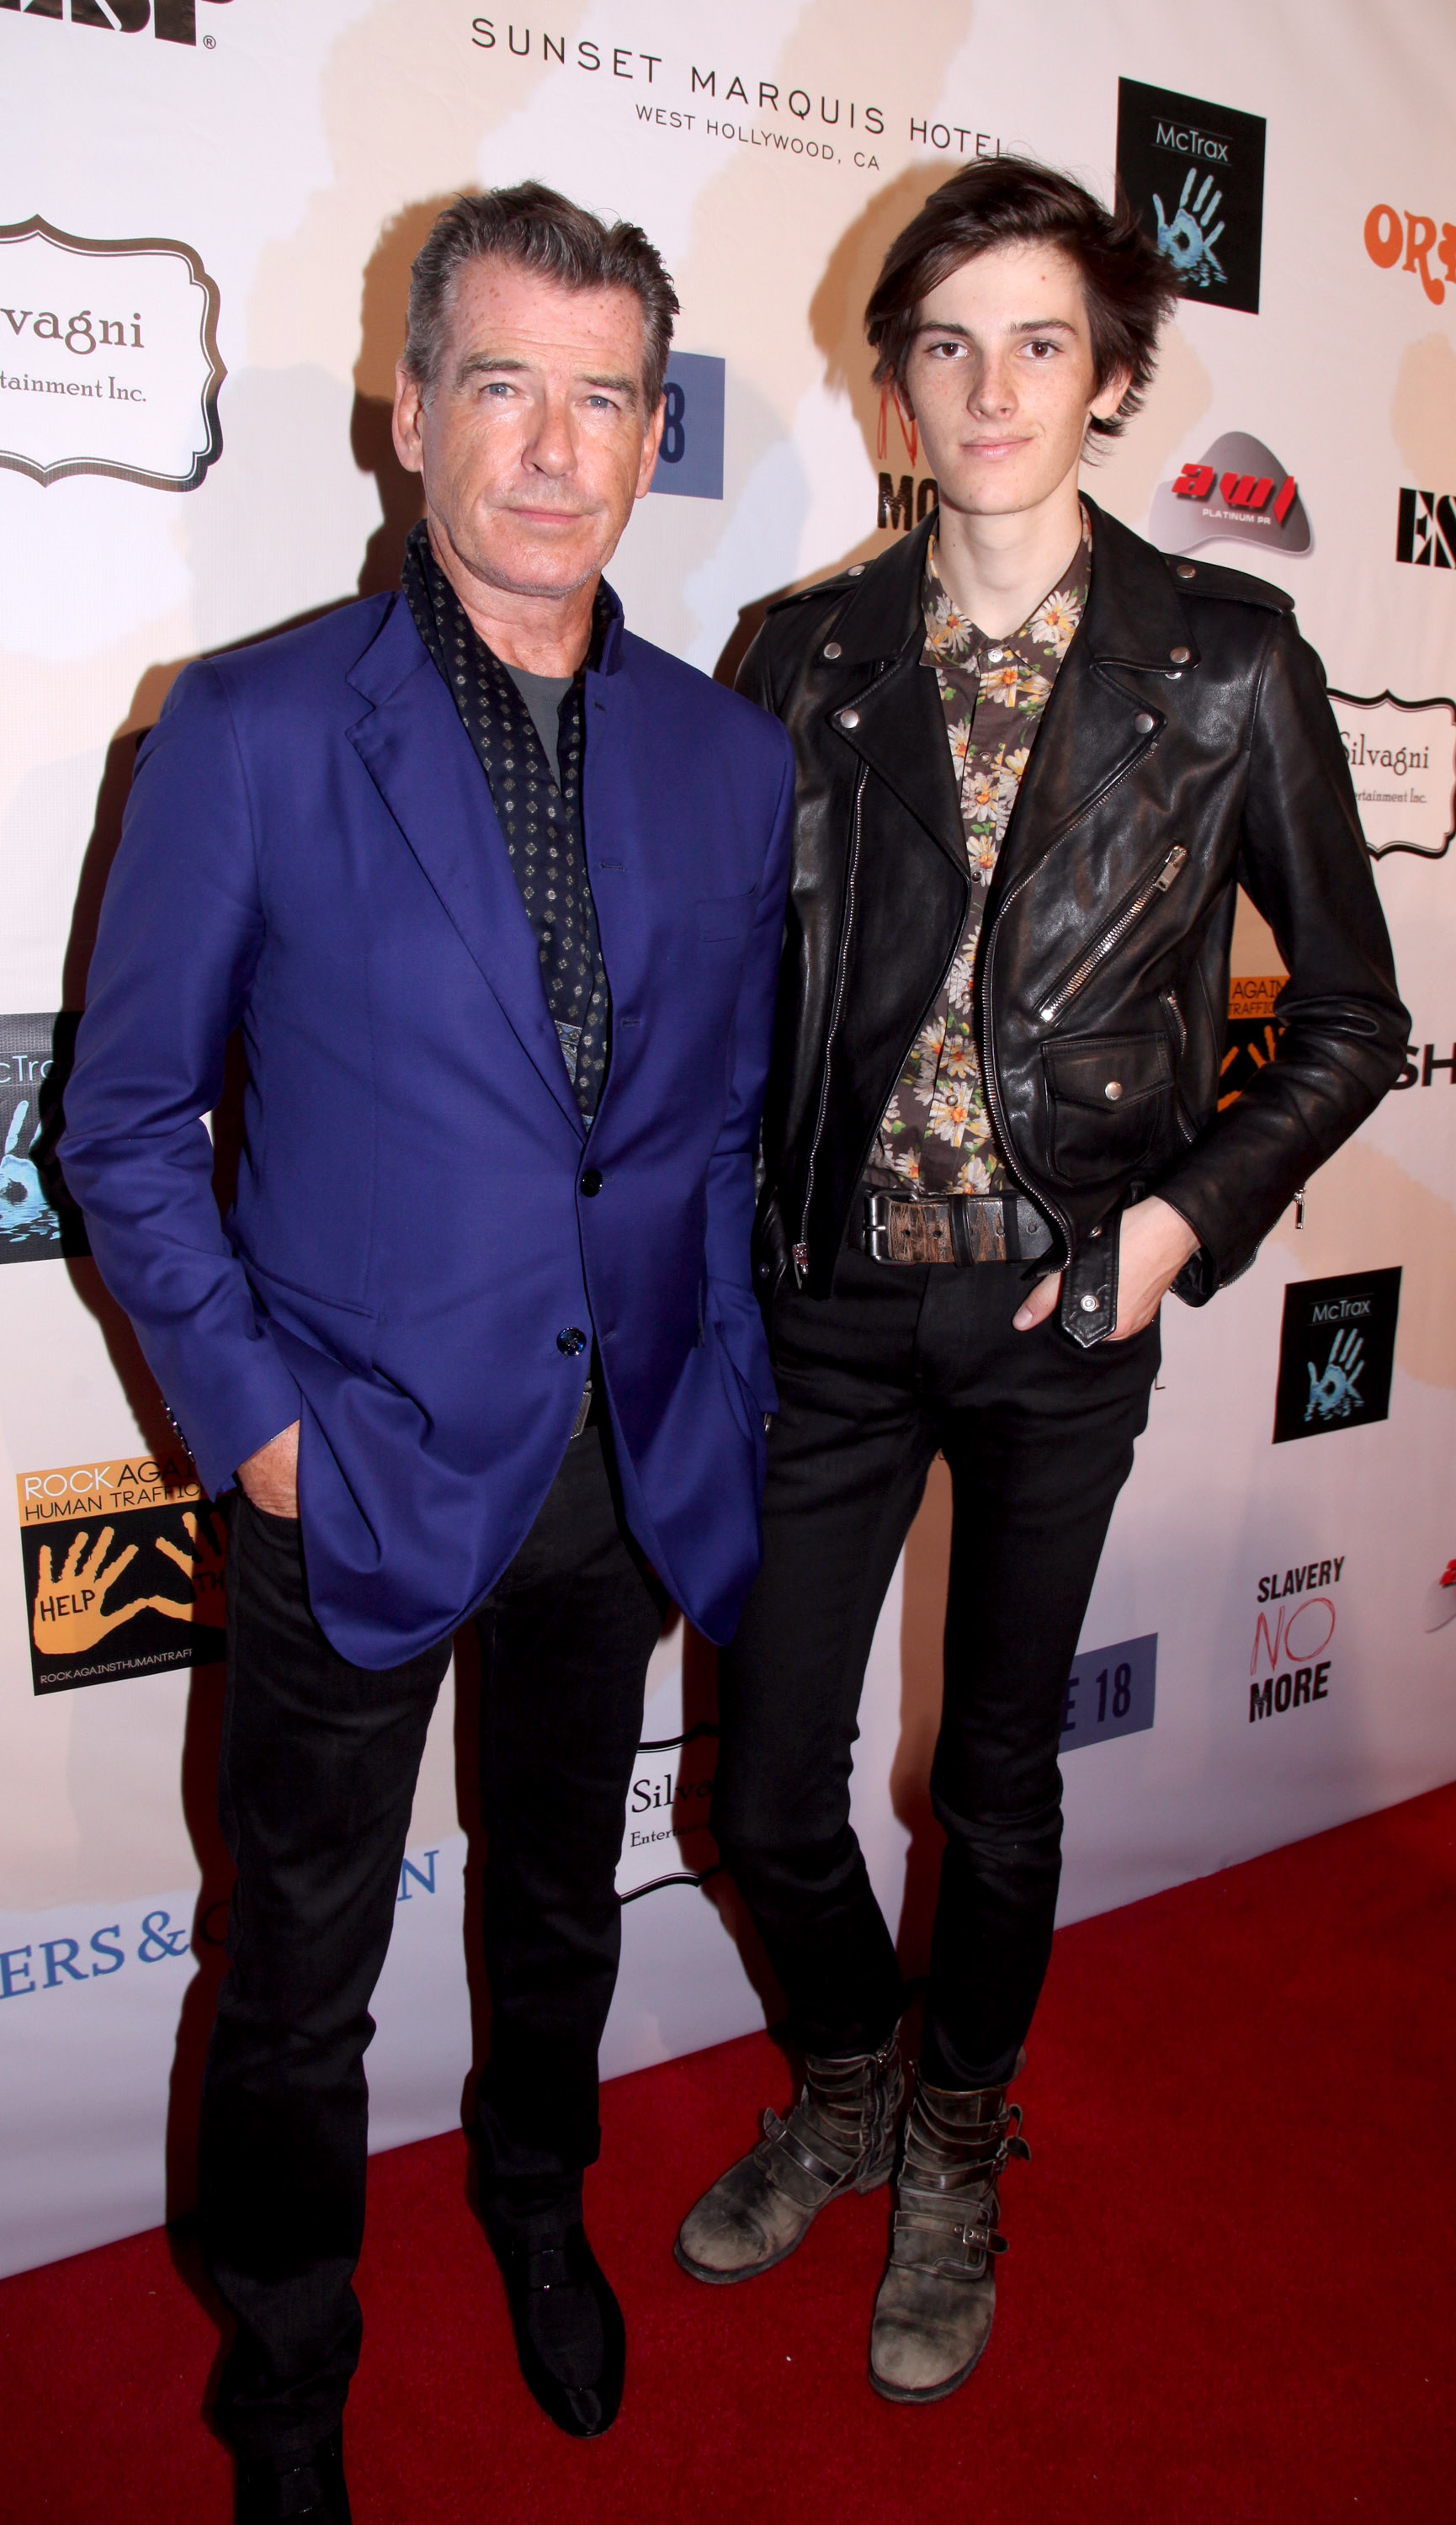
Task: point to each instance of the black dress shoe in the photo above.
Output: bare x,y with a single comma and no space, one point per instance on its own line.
312,2494
570,2336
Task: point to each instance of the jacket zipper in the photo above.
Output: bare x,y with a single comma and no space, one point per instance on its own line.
1179,1024
801,1249
1082,971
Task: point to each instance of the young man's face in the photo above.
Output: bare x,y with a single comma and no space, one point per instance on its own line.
534,441
1000,380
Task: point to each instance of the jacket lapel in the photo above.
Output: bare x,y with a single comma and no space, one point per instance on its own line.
1109,679
901,735
413,746
899,725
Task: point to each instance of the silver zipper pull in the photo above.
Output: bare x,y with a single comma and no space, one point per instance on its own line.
1170,868
1299,1207
801,1260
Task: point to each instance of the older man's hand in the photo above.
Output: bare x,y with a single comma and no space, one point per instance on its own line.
270,1476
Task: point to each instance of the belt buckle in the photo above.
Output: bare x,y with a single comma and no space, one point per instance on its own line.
877,1227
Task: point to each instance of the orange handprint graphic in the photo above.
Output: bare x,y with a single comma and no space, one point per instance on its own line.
68,1615
204,1566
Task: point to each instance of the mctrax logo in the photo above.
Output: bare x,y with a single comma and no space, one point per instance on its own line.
172,22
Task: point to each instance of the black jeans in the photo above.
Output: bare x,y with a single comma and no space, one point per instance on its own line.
897,1363
317,1775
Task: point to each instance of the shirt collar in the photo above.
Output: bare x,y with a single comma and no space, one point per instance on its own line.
953,639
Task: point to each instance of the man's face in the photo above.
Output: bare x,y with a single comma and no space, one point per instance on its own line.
534,441
1000,380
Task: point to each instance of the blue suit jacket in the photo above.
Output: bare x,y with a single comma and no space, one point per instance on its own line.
311,853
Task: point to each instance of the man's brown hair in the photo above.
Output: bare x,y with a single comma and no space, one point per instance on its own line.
537,230
1128,285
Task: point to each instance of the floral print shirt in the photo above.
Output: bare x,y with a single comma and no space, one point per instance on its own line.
935,1135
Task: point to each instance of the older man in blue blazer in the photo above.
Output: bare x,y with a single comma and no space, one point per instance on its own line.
495,892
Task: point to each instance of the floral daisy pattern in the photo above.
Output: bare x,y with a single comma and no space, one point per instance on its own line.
935,1134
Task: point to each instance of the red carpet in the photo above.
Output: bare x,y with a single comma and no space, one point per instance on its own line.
1229,2293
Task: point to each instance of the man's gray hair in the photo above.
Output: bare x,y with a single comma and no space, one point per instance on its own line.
537,230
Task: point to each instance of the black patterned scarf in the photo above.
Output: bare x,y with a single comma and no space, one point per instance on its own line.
539,805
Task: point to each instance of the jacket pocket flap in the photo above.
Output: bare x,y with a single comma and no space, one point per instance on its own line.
726,916
1106,1072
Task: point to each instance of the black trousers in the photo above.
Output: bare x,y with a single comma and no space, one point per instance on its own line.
318,1774
900,1362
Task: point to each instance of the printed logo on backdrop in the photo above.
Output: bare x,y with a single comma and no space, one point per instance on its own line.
124,1566
1294,1628
1440,1600
1416,237
38,1223
1194,173
1337,1354
723,102
1252,1033
1237,492
1425,529
1111,1692
666,1840
1422,1063
1402,759
108,357
173,22
689,461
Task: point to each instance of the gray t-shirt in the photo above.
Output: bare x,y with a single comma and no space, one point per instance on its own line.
543,696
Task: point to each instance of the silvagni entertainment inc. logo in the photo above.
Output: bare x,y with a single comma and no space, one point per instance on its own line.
108,357
1337,1354
1294,1628
1237,492
1194,172
1402,759
173,22
124,1566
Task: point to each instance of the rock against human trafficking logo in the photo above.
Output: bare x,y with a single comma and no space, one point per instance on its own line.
1402,759
108,357
123,1567
1194,172
1337,1354
1238,492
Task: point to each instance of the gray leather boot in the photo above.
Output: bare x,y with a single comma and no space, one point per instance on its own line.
841,2132
933,2315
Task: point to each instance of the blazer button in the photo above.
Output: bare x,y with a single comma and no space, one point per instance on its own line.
1179,656
1144,722
831,648
591,1182
1090,1304
571,1341
851,718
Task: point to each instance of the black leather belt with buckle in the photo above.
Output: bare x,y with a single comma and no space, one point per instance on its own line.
963,1227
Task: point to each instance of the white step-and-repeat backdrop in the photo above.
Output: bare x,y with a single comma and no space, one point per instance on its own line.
207,213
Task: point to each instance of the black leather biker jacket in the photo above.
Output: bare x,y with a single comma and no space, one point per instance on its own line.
1188,746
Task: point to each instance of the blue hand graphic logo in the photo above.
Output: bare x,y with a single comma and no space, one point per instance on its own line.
1337,1394
23,1202
1188,238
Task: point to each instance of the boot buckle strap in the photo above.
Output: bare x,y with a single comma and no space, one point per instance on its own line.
781,2140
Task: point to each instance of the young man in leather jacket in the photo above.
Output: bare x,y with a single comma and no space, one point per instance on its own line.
1035,759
